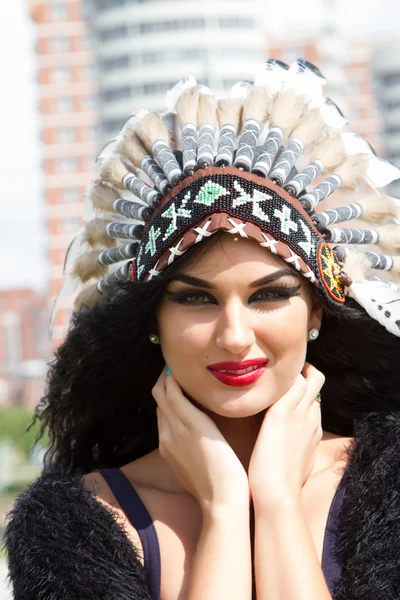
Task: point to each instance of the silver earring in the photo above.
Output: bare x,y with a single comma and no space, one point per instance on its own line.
154,339
313,334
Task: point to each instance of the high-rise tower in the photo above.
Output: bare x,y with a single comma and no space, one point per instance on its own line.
145,46
69,117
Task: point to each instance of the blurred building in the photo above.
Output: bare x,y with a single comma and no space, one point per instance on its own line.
24,346
69,116
145,46
386,68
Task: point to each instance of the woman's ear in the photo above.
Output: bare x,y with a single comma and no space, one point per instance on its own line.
316,315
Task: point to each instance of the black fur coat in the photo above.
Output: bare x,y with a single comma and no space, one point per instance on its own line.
63,544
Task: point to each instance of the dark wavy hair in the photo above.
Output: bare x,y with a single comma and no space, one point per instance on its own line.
99,410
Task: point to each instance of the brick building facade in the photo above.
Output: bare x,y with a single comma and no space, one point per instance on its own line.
68,108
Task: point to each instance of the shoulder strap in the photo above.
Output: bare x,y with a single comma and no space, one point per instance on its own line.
138,515
55,514
330,563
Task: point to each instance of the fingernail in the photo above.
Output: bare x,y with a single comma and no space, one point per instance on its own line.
168,371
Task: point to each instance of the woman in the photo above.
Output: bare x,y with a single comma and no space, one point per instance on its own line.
184,408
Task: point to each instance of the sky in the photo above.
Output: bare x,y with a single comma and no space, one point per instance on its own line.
22,241
21,236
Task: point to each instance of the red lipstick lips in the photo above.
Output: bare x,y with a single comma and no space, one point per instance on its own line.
240,373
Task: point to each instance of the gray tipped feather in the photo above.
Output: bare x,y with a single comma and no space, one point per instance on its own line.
150,129
95,234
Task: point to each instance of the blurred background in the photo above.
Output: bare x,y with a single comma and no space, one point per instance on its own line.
71,73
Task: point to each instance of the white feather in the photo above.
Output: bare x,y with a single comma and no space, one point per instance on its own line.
70,286
271,74
205,91
303,80
88,210
73,251
169,119
380,172
240,89
374,294
107,151
133,120
330,112
355,144
171,97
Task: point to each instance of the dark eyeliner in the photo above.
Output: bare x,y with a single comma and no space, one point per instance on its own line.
282,292
180,297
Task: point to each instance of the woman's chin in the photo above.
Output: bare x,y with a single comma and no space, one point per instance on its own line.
241,407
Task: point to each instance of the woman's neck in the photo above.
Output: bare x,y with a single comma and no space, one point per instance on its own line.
241,434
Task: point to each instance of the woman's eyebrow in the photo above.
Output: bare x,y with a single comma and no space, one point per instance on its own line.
274,276
195,281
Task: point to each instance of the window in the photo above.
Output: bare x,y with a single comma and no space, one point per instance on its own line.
116,62
193,54
69,225
116,93
60,44
67,164
111,126
172,25
61,74
69,195
156,88
102,5
64,104
113,33
391,79
58,12
233,52
66,135
236,23
149,58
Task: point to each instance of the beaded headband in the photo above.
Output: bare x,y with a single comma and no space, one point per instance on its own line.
169,181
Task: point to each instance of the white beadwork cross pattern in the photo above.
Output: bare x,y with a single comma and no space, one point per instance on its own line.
285,217
255,200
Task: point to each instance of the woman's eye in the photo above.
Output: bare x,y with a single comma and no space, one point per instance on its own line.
275,294
190,298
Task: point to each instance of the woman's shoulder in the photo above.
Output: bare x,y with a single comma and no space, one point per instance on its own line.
62,542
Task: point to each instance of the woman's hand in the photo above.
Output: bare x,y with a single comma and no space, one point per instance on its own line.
285,450
200,456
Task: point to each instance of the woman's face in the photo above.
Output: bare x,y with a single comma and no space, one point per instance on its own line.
236,303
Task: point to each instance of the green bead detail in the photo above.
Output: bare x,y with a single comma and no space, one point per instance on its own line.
209,193
151,244
173,214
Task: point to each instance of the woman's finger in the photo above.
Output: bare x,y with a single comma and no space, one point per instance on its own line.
315,380
165,403
178,403
293,396
159,390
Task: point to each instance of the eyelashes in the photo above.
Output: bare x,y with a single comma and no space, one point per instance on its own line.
268,294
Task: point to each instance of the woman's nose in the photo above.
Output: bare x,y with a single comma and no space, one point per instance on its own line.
235,331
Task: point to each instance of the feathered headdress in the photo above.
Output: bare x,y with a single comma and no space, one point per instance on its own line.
230,164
